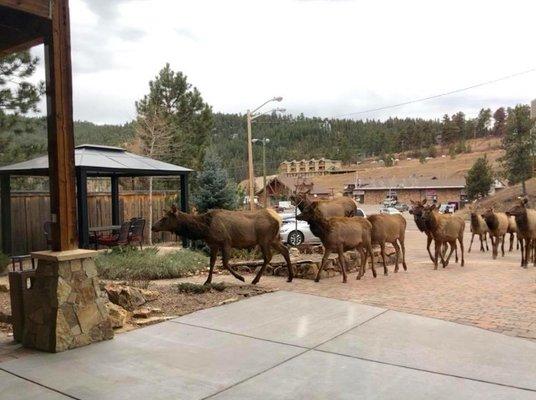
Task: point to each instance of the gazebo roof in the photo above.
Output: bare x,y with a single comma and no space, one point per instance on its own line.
100,160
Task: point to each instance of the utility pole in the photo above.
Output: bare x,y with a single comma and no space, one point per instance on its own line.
250,166
264,141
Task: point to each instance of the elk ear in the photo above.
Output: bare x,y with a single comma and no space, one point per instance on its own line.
174,209
423,202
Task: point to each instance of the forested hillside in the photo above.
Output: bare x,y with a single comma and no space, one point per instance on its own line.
290,137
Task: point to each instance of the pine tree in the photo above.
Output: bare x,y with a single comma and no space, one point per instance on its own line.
189,117
214,189
519,145
479,179
499,126
483,122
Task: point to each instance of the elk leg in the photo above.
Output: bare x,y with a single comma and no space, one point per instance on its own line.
502,244
494,245
460,239
522,245
382,250
481,243
486,240
324,260
342,263
369,250
511,242
284,251
225,259
452,247
428,242
471,244
438,249
267,256
397,252
403,247
213,256
363,262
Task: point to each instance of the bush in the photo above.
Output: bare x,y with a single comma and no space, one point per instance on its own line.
4,262
196,288
130,263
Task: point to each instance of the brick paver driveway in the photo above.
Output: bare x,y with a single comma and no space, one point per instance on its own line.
497,295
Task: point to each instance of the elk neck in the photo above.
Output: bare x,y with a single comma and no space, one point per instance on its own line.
193,227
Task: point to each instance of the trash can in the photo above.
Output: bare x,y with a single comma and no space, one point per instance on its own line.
20,281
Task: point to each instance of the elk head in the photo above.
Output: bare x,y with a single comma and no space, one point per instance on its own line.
169,222
417,208
309,212
520,208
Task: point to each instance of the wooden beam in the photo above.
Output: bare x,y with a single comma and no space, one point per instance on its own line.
184,195
5,216
116,220
20,31
41,8
60,129
81,200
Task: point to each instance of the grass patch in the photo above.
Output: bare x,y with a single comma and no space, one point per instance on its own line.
197,288
130,263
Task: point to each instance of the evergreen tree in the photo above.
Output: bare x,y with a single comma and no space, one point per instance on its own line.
189,117
214,189
499,126
459,132
519,146
479,179
483,122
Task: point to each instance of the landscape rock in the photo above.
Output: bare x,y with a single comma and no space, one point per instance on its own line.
130,298
118,315
150,295
151,320
142,313
294,252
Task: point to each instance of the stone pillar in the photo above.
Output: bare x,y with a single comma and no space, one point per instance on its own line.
64,308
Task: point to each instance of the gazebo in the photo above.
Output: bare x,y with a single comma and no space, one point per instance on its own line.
90,161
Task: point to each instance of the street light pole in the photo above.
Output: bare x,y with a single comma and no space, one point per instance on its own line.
250,166
251,115
265,200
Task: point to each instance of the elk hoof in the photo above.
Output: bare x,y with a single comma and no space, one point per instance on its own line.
317,280
254,281
289,279
358,277
207,282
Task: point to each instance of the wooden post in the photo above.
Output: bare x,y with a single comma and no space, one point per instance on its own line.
60,129
5,205
83,220
184,200
116,220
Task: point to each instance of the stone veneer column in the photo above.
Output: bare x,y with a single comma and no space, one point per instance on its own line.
64,308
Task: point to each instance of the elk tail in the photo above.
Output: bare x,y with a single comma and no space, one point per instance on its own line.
275,215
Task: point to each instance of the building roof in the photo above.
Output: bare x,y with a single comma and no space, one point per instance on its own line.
100,160
411,183
289,182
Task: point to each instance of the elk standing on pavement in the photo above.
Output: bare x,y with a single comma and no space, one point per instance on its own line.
498,226
340,234
445,228
337,207
480,228
390,229
224,230
512,230
526,230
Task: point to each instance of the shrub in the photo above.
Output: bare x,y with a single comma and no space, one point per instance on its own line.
196,288
432,151
4,262
130,263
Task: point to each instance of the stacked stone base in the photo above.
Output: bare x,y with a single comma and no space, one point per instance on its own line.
64,308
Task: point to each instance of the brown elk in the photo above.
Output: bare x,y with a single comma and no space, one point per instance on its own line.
417,210
390,229
498,226
340,234
480,228
526,230
224,230
337,207
445,228
512,230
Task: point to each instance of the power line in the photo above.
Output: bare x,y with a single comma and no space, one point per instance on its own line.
437,95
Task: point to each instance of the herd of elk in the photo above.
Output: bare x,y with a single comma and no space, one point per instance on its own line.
335,223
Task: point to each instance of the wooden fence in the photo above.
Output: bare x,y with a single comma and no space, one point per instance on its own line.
30,210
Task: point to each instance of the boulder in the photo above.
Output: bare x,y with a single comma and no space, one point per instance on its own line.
294,252
150,295
142,313
118,315
127,297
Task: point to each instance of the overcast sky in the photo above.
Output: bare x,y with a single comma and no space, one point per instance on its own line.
325,57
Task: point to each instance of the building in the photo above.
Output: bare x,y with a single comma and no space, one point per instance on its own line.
310,167
404,190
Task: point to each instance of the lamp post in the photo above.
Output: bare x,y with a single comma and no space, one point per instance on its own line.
251,115
263,141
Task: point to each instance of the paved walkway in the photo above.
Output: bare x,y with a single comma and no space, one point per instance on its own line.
285,345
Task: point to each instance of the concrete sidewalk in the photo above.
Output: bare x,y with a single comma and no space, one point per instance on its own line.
285,345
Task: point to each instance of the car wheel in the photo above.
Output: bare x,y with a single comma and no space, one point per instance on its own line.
295,238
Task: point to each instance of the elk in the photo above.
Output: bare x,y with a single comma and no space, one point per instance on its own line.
223,230
337,207
417,210
526,230
445,228
480,228
340,234
512,230
390,229
497,223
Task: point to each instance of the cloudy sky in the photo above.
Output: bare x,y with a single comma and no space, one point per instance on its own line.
325,57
